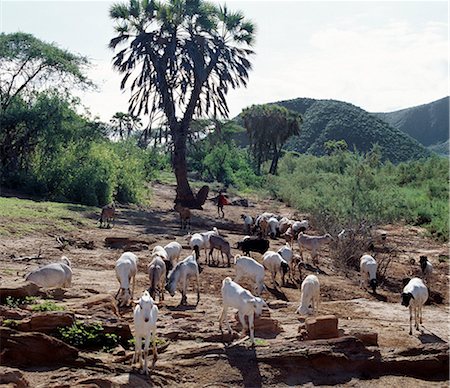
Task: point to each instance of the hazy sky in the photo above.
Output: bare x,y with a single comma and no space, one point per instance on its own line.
381,56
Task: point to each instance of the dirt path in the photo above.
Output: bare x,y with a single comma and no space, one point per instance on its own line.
197,357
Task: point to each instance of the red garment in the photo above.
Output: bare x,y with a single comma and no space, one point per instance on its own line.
222,200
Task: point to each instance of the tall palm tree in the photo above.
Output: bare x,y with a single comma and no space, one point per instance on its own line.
124,124
184,55
268,128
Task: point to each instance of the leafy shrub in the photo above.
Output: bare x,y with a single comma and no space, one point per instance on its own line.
17,302
87,336
47,305
344,190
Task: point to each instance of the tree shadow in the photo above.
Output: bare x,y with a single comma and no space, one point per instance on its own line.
246,361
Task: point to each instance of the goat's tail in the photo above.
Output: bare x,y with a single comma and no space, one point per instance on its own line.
236,257
227,280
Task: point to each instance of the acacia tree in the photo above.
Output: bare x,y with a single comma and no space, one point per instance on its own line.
184,56
34,76
28,64
268,128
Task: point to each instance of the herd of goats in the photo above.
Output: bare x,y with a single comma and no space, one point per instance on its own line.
167,272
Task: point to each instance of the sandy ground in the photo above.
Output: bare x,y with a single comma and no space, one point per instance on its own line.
340,295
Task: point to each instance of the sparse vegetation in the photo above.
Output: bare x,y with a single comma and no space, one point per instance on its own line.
17,302
88,336
47,305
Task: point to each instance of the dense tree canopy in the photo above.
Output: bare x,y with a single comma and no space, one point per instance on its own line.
183,56
268,128
28,64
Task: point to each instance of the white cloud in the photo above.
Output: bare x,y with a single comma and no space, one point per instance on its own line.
380,69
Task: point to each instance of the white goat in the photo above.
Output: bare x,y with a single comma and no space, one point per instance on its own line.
274,226
288,255
312,243
145,316
248,223
196,242
310,295
233,295
275,264
126,269
368,270
427,268
160,251
52,275
414,296
246,267
300,226
180,275
173,250
157,276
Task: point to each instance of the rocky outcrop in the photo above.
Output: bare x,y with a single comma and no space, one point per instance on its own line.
12,378
20,290
33,349
47,322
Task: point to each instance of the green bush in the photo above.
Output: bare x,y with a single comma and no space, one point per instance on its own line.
349,189
87,336
47,305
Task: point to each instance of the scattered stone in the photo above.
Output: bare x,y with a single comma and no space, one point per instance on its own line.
366,337
322,327
101,305
33,349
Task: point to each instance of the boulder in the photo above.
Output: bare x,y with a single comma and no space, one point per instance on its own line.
19,290
12,377
12,313
121,329
101,305
46,322
322,327
366,337
33,349
265,325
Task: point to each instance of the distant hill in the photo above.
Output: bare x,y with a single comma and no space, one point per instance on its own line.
440,148
428,123
325,120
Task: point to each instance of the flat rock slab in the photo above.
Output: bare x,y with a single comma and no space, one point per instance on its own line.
33,349
19,290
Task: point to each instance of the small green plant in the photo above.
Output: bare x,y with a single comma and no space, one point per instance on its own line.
47,305
261,342
12,323
17,302
88,335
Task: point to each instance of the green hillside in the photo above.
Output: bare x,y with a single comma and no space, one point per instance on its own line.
428,123
440,148
326,120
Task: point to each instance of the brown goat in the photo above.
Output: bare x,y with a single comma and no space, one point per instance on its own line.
108,215
185,216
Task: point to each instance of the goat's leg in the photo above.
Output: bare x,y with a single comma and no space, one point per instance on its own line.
223,317
410,319
243,324
198,290
154,348
137,351
417,317
251,328
132,290
146,346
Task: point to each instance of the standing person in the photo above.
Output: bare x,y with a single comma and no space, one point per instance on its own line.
221,202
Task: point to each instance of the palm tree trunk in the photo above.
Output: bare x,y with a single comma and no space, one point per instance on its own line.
179,164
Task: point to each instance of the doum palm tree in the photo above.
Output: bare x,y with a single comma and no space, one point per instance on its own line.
180,57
